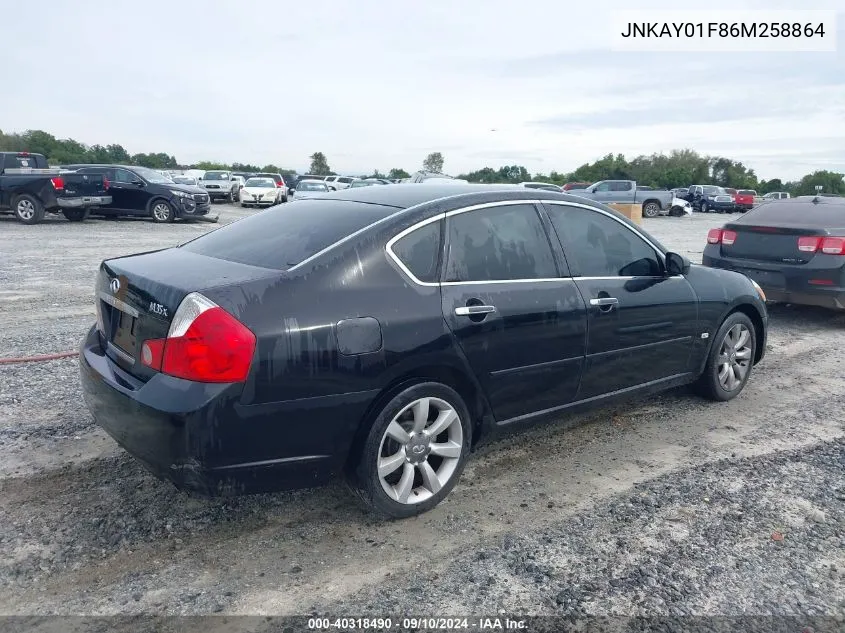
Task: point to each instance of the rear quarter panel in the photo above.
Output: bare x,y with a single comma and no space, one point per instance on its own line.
303,390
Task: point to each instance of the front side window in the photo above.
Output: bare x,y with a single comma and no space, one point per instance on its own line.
499,243
597,245
605,186
419,251
123,175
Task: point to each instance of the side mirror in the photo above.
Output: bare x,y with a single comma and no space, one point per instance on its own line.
676,264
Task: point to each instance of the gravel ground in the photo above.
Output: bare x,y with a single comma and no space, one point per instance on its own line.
665,506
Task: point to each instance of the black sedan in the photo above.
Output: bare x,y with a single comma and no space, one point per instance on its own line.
383,332
794,248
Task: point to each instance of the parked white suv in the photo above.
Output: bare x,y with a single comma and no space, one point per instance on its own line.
336,183
776,195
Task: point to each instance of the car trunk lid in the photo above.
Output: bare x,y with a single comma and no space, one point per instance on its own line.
138,295
770,243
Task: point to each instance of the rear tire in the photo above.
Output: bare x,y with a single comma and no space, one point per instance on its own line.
704,208
28,209
162,211
651,209
76,215
730,359
415,451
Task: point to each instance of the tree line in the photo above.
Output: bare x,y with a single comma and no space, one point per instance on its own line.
678,168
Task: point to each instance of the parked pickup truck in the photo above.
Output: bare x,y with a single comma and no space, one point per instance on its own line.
221,185
29,189
654,201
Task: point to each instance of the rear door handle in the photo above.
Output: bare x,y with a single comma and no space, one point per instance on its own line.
604,301
473,310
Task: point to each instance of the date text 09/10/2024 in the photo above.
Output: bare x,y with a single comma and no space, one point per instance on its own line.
723,30
414,624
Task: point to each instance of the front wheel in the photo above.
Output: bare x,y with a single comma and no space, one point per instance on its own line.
651,209
415,451
76,215
162,211
730,359
704,208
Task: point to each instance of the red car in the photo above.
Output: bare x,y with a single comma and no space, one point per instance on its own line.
744,199
576,185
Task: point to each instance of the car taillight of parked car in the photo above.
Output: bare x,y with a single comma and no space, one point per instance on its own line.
721,236
826,245
204,344
58,183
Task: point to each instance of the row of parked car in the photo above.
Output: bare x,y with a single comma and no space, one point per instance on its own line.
710,198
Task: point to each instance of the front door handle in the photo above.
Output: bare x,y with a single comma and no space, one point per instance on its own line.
605,303
473,310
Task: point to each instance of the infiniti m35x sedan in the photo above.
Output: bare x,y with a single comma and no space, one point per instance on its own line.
383,332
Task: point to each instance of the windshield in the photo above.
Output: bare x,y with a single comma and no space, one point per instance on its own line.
150,175
182,180
311,186
216,175
260,182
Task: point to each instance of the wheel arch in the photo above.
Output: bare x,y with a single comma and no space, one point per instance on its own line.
757,320
654,200
163,198
452,376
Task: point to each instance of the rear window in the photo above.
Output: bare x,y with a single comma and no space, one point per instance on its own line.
824,214
283,236
747,192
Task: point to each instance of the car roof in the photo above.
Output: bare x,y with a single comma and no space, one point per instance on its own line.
405,195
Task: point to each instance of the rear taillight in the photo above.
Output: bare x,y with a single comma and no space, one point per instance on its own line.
826,245
58,183
723,236
809,244
278,185
833,246
204,344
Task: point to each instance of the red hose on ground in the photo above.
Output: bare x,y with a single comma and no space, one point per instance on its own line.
37,359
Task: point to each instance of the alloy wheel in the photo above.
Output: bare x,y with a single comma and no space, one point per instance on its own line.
25,209
420,450
734,358
161,212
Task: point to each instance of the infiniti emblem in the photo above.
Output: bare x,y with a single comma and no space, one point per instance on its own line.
419,448
115,285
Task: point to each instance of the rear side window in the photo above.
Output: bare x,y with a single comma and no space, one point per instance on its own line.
283,236
602,247
419,251
499,243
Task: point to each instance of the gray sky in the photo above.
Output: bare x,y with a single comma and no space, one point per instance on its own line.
379,84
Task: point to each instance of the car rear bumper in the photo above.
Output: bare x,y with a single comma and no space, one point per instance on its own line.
786,284
83,201
199,437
